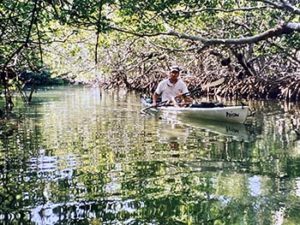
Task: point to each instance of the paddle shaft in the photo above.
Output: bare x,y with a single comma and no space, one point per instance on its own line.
164,102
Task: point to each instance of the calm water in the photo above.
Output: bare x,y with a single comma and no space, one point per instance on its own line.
79,156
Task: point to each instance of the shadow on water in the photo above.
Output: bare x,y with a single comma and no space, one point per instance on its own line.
84,156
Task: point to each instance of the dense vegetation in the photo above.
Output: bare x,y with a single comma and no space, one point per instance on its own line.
254,43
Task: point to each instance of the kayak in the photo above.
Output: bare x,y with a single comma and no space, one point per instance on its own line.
209,111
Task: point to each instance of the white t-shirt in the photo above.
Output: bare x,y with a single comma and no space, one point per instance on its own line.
168,91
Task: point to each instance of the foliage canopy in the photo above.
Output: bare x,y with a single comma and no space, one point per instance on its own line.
257,28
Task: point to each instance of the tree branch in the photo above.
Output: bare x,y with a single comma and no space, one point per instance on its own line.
242,9
279,30
98,31
284,5
19,49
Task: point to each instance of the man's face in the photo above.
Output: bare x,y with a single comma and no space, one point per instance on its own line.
174,76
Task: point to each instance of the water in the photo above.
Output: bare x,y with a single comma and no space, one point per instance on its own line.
81,156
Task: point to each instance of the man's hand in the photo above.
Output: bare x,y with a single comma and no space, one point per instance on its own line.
154,100
174,102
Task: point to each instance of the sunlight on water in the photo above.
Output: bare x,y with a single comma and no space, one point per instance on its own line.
82,155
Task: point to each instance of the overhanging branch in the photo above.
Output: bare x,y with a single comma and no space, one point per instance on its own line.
281,29
283,5
241,9
274,32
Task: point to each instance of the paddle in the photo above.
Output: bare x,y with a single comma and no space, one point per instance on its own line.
163,103
212,84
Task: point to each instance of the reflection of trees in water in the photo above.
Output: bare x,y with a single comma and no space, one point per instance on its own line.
271,152
19,188
78,168
198,197
274,131
280,129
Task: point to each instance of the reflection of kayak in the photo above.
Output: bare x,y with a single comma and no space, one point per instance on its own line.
232,114
235,130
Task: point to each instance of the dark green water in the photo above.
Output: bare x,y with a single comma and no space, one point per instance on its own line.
78,156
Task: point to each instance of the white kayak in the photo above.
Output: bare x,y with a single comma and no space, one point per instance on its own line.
232,114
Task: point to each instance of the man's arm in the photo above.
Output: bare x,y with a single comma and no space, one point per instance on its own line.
154,99
155,95
185,90
186,99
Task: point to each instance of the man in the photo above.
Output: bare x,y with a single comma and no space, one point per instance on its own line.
171,90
